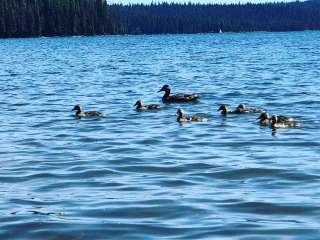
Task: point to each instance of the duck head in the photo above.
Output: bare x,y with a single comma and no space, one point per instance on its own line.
223,108
165,88
138,104
241,107
76,108
263,116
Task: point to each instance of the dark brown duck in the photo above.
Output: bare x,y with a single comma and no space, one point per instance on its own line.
182,117
180,97
80,113
277,121
140,106
241,109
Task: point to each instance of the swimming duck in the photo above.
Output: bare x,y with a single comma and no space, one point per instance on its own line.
242,109
140,106
180,97
276,120
184,118
80,113
239,110
283,122
224,110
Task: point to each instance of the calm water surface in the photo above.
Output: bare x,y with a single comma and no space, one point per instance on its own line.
133,175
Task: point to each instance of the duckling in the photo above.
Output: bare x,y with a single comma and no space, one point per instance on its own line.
140,106
184,118
180,97
283,122
80,113
275,120
239,110
242,109
224,110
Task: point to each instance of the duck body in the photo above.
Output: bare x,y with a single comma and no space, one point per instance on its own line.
177,98
284,125
283,122
80,113
255,110
141,107
284,118
186,118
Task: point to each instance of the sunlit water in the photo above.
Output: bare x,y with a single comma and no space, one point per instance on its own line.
133,175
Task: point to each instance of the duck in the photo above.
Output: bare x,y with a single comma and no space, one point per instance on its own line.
276,121
80,113
140,106
243,109
180,97
283,122
240,109
185,118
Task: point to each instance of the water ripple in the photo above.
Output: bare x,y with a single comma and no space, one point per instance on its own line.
141,175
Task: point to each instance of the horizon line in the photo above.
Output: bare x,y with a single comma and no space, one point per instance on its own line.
235,2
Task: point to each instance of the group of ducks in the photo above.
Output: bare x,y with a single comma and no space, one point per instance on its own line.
264,119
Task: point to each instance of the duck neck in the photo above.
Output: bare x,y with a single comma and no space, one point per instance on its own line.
166,94
180,116
78,112
139,106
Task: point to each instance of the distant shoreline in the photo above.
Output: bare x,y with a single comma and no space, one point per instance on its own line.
159,34
89,18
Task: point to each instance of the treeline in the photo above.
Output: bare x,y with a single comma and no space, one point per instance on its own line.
203,18
25,18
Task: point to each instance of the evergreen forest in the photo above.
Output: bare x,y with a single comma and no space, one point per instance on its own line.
199,18
27,18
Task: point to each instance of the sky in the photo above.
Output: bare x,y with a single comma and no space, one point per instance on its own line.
195,1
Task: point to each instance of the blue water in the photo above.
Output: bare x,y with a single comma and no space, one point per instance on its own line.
133,175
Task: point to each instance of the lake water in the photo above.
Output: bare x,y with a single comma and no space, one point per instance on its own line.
141,175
